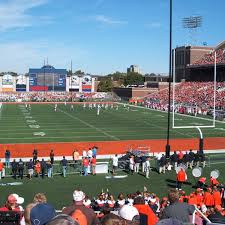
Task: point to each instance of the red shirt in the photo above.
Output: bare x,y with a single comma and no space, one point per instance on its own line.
85,162
181,176
93,161
1,166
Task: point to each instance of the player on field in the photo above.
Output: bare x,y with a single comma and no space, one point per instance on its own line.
65,103
90,106
112,106
94,105
98,109
106,106
84,106
71,107
55,108
29,107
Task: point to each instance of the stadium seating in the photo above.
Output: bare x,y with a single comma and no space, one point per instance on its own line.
188,95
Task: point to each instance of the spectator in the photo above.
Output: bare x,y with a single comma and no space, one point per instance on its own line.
14,166
43,168
176,209
27,212
129,214
1,169
147,216
12,204
30,168
114,164
181,178
37,168
49,167
93,165
137,162
21,168
63,219
217,216
64,163
41,214
85,166
40,198
7,158
35,156
84,215
174,160
52,155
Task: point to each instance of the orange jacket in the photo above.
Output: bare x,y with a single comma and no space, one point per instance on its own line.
192,200
38,167
146,211
200,199
208,199
181,176
1,166
217,198
213,181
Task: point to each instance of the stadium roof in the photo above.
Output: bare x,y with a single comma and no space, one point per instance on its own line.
220,45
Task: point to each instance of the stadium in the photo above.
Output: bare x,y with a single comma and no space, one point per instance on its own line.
150,152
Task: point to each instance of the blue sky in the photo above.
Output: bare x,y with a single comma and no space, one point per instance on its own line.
100,36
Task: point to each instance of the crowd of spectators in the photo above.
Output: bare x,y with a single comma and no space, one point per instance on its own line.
190,98
144,208
209,58
52,96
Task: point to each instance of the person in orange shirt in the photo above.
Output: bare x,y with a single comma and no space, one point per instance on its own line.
217,197
199,196
37,168
85,166
201,182
213,181
145,212
192,200
93,165
1,169
181,178
208,198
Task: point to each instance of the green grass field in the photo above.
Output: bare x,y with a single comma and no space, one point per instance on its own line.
42,124
59,190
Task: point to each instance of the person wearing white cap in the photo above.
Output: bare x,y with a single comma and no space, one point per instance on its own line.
80,212
129,213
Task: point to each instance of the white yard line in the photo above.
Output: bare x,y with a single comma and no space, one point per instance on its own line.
184,115
188,135
90,125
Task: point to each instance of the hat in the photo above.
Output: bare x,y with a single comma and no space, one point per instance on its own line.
78,196
19,199
169,221
41,214
128,212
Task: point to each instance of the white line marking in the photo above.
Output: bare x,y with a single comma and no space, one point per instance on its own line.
90,125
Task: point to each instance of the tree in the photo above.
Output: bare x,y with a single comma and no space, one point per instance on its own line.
79,72
133,79
105,85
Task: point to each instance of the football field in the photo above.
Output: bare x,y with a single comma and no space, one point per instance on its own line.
41,123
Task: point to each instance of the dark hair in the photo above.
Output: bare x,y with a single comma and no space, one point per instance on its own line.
173,195
63,219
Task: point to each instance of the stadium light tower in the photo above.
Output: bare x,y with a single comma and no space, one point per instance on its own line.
170,80
192,23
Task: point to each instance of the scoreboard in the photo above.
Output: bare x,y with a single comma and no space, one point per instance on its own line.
47,81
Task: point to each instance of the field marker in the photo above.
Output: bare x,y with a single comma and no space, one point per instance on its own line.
219,128
28,117
90,125
34,126
39,134
31,121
